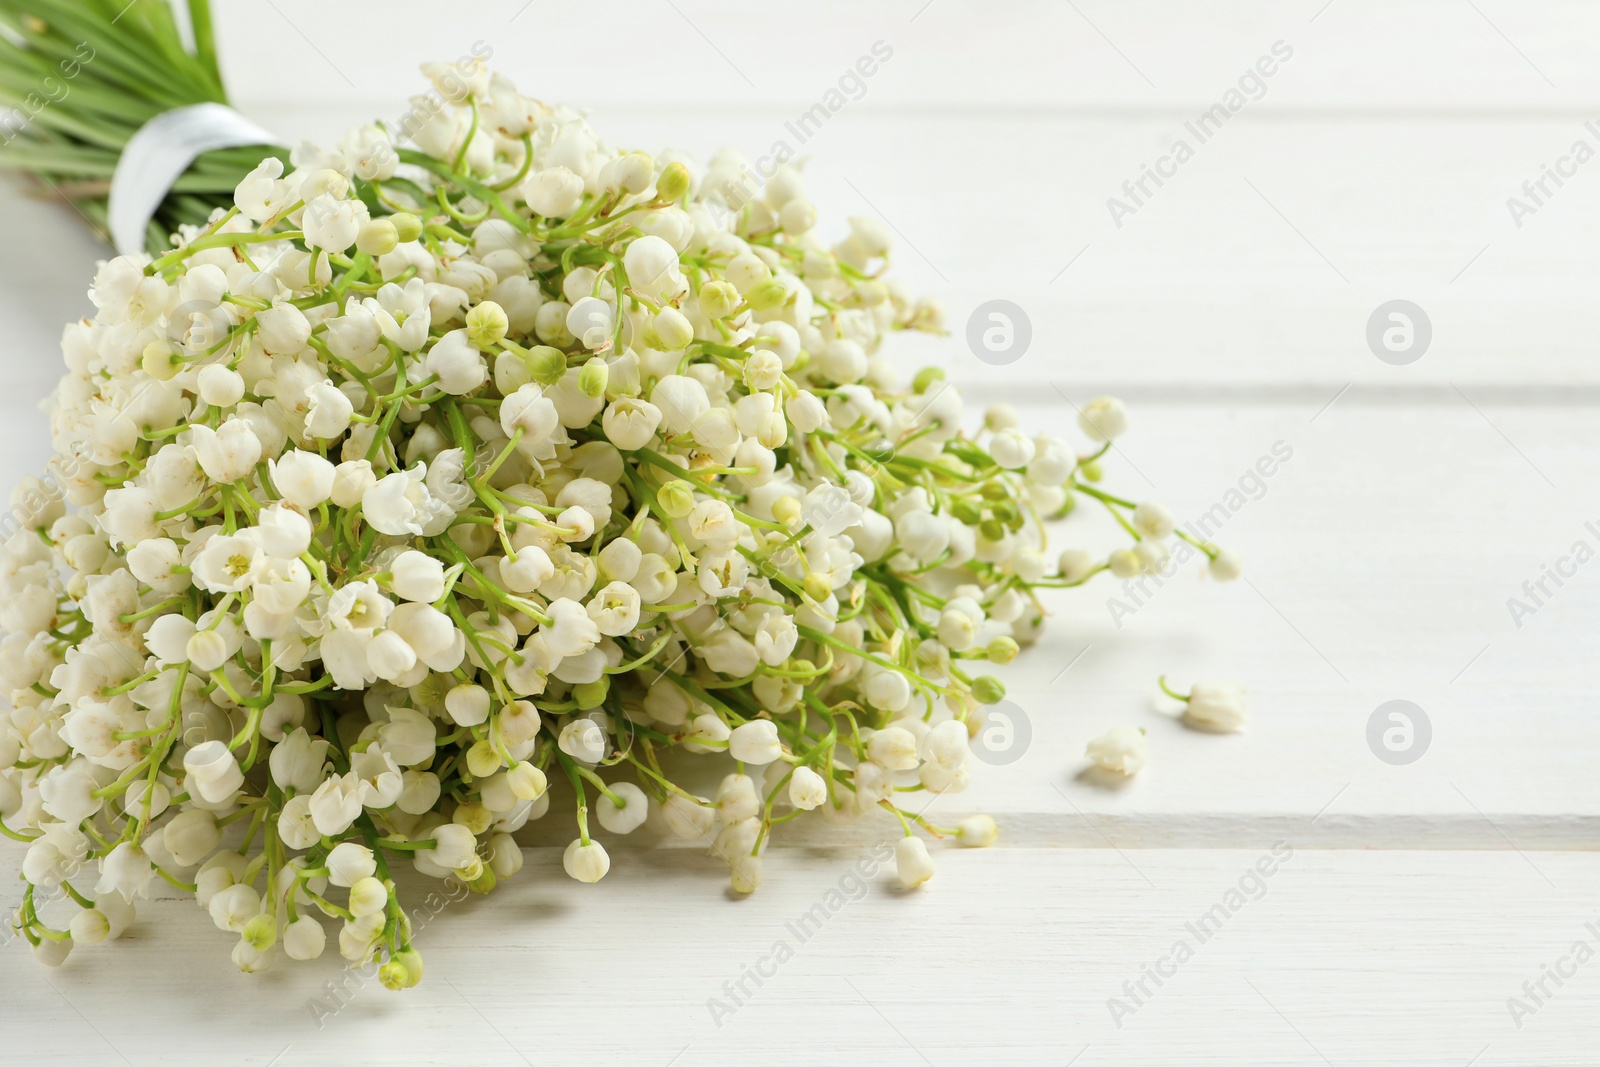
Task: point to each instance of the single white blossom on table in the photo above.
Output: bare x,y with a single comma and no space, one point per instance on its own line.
1122,749
586,861
977,831
1217,707
913,865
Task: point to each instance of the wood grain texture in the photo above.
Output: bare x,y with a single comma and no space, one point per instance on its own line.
1231,311
1029,54
1007,956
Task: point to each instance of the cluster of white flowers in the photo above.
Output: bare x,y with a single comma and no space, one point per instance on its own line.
421,477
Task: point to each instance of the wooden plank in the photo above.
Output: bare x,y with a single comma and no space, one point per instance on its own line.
1380,559
1094,53
1006,956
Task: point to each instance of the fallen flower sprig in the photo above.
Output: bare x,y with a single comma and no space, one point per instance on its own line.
1217,707
417,482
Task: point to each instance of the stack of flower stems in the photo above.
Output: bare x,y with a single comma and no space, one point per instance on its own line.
78,78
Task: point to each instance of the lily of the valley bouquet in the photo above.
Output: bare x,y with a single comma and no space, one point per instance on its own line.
411,483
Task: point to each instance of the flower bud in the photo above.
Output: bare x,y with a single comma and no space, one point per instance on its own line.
261,932
377,237
467,704
797,217
212,769
1152,556
407,227
987,689
745,874
1125,563
368,897
487,324
1225,566
786,509
191,836
1152,520
773,431
912,862
505,858
349,862
50,952
527,781
755,742
586,863
482,759
718,299
1002,650
478,875
687,817
411,960
304,939
160,361
1103,419
220,385
546,364
976,831
893,746
767,295
673,182
590,695
673,330
1075,564
676,498
454,846
206,649
474,816
592,378
807,789
89,927
510,373
632,172
869,294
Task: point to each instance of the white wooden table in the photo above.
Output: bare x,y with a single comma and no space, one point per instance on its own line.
1231,311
